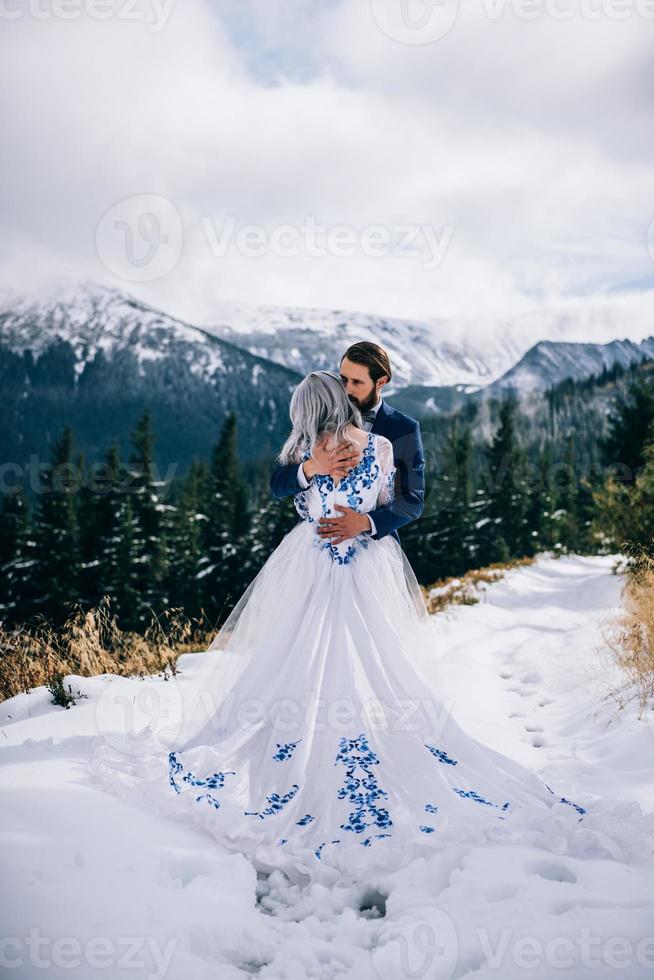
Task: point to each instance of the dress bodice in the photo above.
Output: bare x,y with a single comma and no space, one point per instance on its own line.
367,485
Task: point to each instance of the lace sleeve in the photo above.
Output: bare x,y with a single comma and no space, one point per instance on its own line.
301,498
387,473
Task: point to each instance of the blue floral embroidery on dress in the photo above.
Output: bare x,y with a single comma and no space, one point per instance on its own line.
431,808
427,830
471,794
362,791
389,486
304,820
361,476
276,803
339,557
440,755
368,841
216,781
318,850
285,751
211,800
564,799
578,808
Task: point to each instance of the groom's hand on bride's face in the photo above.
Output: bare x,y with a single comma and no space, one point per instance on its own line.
337,529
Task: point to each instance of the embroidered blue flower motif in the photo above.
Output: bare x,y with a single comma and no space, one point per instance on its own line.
302,507
426,829
285,751
174,768
471,794
215,781
212,801
440,755
578,808
341,558
430,808
318,850
563,799
304,820
389,486
360,477
368,841
362,791
276,803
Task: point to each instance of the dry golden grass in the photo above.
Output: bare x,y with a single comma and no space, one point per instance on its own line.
630,636
464,590
90,643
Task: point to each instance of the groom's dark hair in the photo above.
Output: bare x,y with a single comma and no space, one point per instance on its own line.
373,356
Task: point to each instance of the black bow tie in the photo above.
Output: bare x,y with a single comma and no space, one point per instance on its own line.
369,417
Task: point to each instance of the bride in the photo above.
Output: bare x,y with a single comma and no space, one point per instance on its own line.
315,743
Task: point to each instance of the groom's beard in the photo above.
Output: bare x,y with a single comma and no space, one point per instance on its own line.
365,404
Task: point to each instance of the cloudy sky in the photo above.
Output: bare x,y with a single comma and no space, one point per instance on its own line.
401,157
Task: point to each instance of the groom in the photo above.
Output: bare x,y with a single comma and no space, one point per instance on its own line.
365,369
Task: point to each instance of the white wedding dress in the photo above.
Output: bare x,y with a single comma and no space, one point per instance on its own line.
314,742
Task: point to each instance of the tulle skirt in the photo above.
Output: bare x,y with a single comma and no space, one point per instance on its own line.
313,742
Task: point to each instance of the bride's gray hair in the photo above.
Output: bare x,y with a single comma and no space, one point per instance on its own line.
319,405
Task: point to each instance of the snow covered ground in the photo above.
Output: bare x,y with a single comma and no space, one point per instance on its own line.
94,887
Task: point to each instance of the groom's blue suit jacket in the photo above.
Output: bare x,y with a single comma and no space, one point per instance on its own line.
404,434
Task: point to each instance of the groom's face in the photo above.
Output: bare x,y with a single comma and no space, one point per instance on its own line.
359,386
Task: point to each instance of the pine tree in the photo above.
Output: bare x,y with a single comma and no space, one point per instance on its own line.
117,554
449,540
628,425
90,540
503,511
624,514
149,527
16,557
56,550
270,521
227,526
567,500
540,523
184,583
123,583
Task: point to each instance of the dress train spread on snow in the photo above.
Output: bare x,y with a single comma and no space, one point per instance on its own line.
312,742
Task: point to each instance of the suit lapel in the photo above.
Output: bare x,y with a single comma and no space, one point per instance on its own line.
381,419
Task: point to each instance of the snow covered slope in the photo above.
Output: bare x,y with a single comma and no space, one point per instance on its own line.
94,318
524,670
93,357
548,363
440,352
422,353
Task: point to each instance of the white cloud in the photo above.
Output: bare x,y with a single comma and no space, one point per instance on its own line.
530,140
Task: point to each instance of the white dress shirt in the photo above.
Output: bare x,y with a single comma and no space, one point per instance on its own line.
304,483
